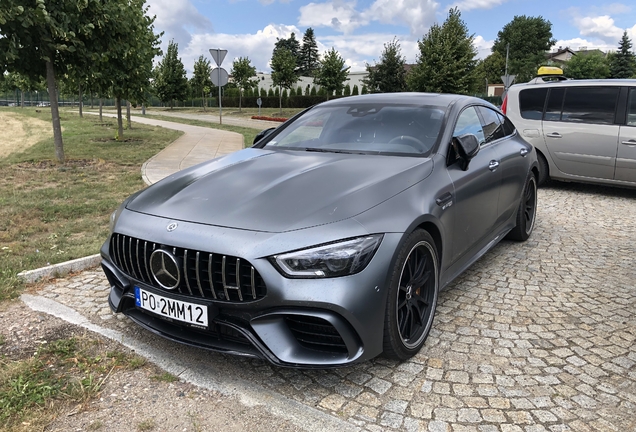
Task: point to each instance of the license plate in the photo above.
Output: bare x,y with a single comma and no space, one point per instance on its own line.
190,313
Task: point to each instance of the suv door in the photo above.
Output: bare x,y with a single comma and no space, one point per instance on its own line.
626,156
580,131
476,189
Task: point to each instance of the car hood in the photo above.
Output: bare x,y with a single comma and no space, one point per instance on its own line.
277,191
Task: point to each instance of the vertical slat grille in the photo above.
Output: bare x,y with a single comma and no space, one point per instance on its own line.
203,274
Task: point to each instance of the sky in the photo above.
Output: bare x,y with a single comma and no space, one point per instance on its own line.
358,29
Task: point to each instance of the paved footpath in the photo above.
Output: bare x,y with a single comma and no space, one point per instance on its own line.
197,144
212,118
537,336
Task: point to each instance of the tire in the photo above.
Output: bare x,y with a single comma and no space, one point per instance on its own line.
412,297
544,170
527,212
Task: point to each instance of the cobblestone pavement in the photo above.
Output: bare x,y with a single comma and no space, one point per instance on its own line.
538,336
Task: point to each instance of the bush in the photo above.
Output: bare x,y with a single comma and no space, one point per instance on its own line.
364,89
285,95
355,90
313,91
270,92
299,91
272,102
347,90
263,92
307,90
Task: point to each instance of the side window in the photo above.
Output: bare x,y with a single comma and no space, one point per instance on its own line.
555,103
590,105
509,128
468,122
493,129
631,108
531,103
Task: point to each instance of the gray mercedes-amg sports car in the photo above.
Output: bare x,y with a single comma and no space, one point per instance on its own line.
328,241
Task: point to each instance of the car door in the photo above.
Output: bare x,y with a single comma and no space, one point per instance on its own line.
476,189
626,156
580,131
498,132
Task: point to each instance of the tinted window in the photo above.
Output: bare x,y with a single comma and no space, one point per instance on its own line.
531,103
590,105
493,129
555,103
509,128
468,122
631,108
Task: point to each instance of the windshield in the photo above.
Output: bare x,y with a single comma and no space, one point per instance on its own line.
364,128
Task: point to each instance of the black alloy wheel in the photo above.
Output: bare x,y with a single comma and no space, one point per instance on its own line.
413,297
527,212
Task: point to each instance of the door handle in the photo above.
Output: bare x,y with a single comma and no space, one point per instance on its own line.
523,152
553,135
444,199
493,165
629,142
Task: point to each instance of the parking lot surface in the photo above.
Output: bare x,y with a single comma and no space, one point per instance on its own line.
536,336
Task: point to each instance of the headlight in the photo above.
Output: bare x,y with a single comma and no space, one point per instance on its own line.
336,259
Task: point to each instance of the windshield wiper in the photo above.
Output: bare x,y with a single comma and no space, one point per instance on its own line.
322,150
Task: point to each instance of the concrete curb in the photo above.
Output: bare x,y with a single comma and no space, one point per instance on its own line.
60,269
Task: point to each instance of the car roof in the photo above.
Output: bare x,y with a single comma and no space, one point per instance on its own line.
434,99
575,83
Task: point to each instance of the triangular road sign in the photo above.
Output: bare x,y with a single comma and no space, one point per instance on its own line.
218,55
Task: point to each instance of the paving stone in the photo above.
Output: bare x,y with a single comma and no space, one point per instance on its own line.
536,336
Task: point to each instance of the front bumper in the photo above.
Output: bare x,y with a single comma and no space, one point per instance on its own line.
298,323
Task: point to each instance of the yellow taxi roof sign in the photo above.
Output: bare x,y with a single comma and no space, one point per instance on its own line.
549,70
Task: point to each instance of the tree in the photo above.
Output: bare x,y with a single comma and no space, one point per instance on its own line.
446,60
347,90
128,46
587,66
529,39
171,82
308,58
283,71
292,45
244,75
489,70
389,74
354,90
42,38
201,82
332,73
623,64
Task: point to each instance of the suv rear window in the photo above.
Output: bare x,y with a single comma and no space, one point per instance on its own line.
531,103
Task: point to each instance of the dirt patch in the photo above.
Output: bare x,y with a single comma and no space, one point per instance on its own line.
21,132
131,400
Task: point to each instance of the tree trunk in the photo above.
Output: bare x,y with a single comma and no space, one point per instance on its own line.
21,98
203,99
101,104
280,101
120,123
92,100
171,104
81,104
128,124
240,98
55,112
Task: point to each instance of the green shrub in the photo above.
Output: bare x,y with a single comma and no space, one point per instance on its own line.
263,92
270,92
347,90
355,90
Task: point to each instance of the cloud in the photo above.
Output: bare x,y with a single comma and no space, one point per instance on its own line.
602,28
177,18
343,16
483,46
257,46
467,5
339,15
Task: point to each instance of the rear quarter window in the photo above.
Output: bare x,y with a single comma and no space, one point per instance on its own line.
531,103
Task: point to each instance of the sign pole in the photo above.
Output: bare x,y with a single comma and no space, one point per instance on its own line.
221,76
220,106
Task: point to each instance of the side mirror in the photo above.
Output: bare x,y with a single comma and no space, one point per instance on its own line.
467,147
262,134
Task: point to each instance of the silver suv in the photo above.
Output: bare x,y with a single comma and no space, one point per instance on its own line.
583,130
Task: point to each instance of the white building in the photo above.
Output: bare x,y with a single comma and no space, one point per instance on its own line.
265,81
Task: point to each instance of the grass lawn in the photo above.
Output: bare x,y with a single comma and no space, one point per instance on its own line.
234,111
53,213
